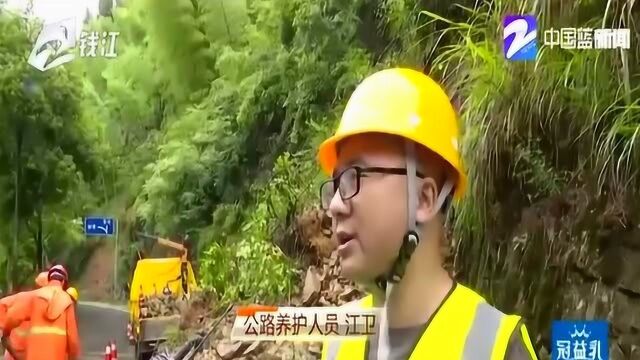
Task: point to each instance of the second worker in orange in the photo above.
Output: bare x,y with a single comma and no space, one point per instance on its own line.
18,338
53,333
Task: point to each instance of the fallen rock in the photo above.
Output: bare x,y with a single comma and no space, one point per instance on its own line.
251,348
227,350
314,228
312,287
315,348
322,287
630,277
191,310
349,294
626,313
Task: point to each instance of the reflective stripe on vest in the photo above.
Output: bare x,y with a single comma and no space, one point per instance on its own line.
527,341
330,349
49,330
20,332
464,328
483,332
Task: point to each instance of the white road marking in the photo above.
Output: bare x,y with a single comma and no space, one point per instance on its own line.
122,308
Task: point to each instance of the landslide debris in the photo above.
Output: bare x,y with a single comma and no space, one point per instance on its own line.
320,285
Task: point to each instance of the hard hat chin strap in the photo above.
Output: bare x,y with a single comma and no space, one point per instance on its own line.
409,243
412,238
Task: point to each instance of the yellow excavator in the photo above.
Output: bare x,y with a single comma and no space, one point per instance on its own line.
165,276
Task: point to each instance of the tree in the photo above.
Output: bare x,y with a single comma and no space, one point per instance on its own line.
105,8
44,139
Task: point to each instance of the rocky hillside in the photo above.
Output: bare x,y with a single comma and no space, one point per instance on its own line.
590,270
572,256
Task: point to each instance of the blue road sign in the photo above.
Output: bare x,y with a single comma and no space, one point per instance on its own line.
99,226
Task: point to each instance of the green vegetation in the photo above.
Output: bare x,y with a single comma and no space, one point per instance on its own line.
207,122
47,148
552,150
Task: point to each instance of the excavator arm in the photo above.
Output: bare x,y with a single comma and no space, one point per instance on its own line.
168,243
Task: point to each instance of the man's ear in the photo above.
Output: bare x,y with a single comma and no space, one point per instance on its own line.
427,199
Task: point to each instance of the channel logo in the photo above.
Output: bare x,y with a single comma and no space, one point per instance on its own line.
519,37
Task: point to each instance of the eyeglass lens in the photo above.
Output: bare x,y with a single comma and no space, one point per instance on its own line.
346,182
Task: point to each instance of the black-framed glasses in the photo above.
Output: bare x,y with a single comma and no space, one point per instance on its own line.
347,182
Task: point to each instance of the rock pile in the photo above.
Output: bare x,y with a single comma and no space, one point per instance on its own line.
262,351
162,305
313,227
192,309
322,287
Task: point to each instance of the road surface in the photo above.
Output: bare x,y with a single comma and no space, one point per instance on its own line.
98,323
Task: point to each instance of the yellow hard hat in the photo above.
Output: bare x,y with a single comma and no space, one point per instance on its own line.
73,292
401,102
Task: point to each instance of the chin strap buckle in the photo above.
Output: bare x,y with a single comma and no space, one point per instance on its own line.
395,274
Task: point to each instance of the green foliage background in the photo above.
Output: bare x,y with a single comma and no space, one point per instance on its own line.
207,123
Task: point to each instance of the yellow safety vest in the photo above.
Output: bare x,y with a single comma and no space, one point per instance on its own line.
464,328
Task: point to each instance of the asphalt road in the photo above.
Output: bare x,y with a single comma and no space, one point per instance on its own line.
98,323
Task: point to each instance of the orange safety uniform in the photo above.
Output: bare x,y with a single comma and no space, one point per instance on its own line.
54,331
18,337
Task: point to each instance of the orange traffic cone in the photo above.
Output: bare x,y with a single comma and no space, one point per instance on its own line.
114,351
107,353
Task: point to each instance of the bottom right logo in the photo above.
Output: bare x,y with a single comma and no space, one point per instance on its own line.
580,340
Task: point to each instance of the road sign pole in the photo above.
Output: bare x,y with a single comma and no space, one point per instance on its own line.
115,262
106,227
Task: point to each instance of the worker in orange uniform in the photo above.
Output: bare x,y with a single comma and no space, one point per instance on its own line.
18,338
42,279
54,330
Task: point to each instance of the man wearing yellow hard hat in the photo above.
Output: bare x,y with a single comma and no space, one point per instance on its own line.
395,168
